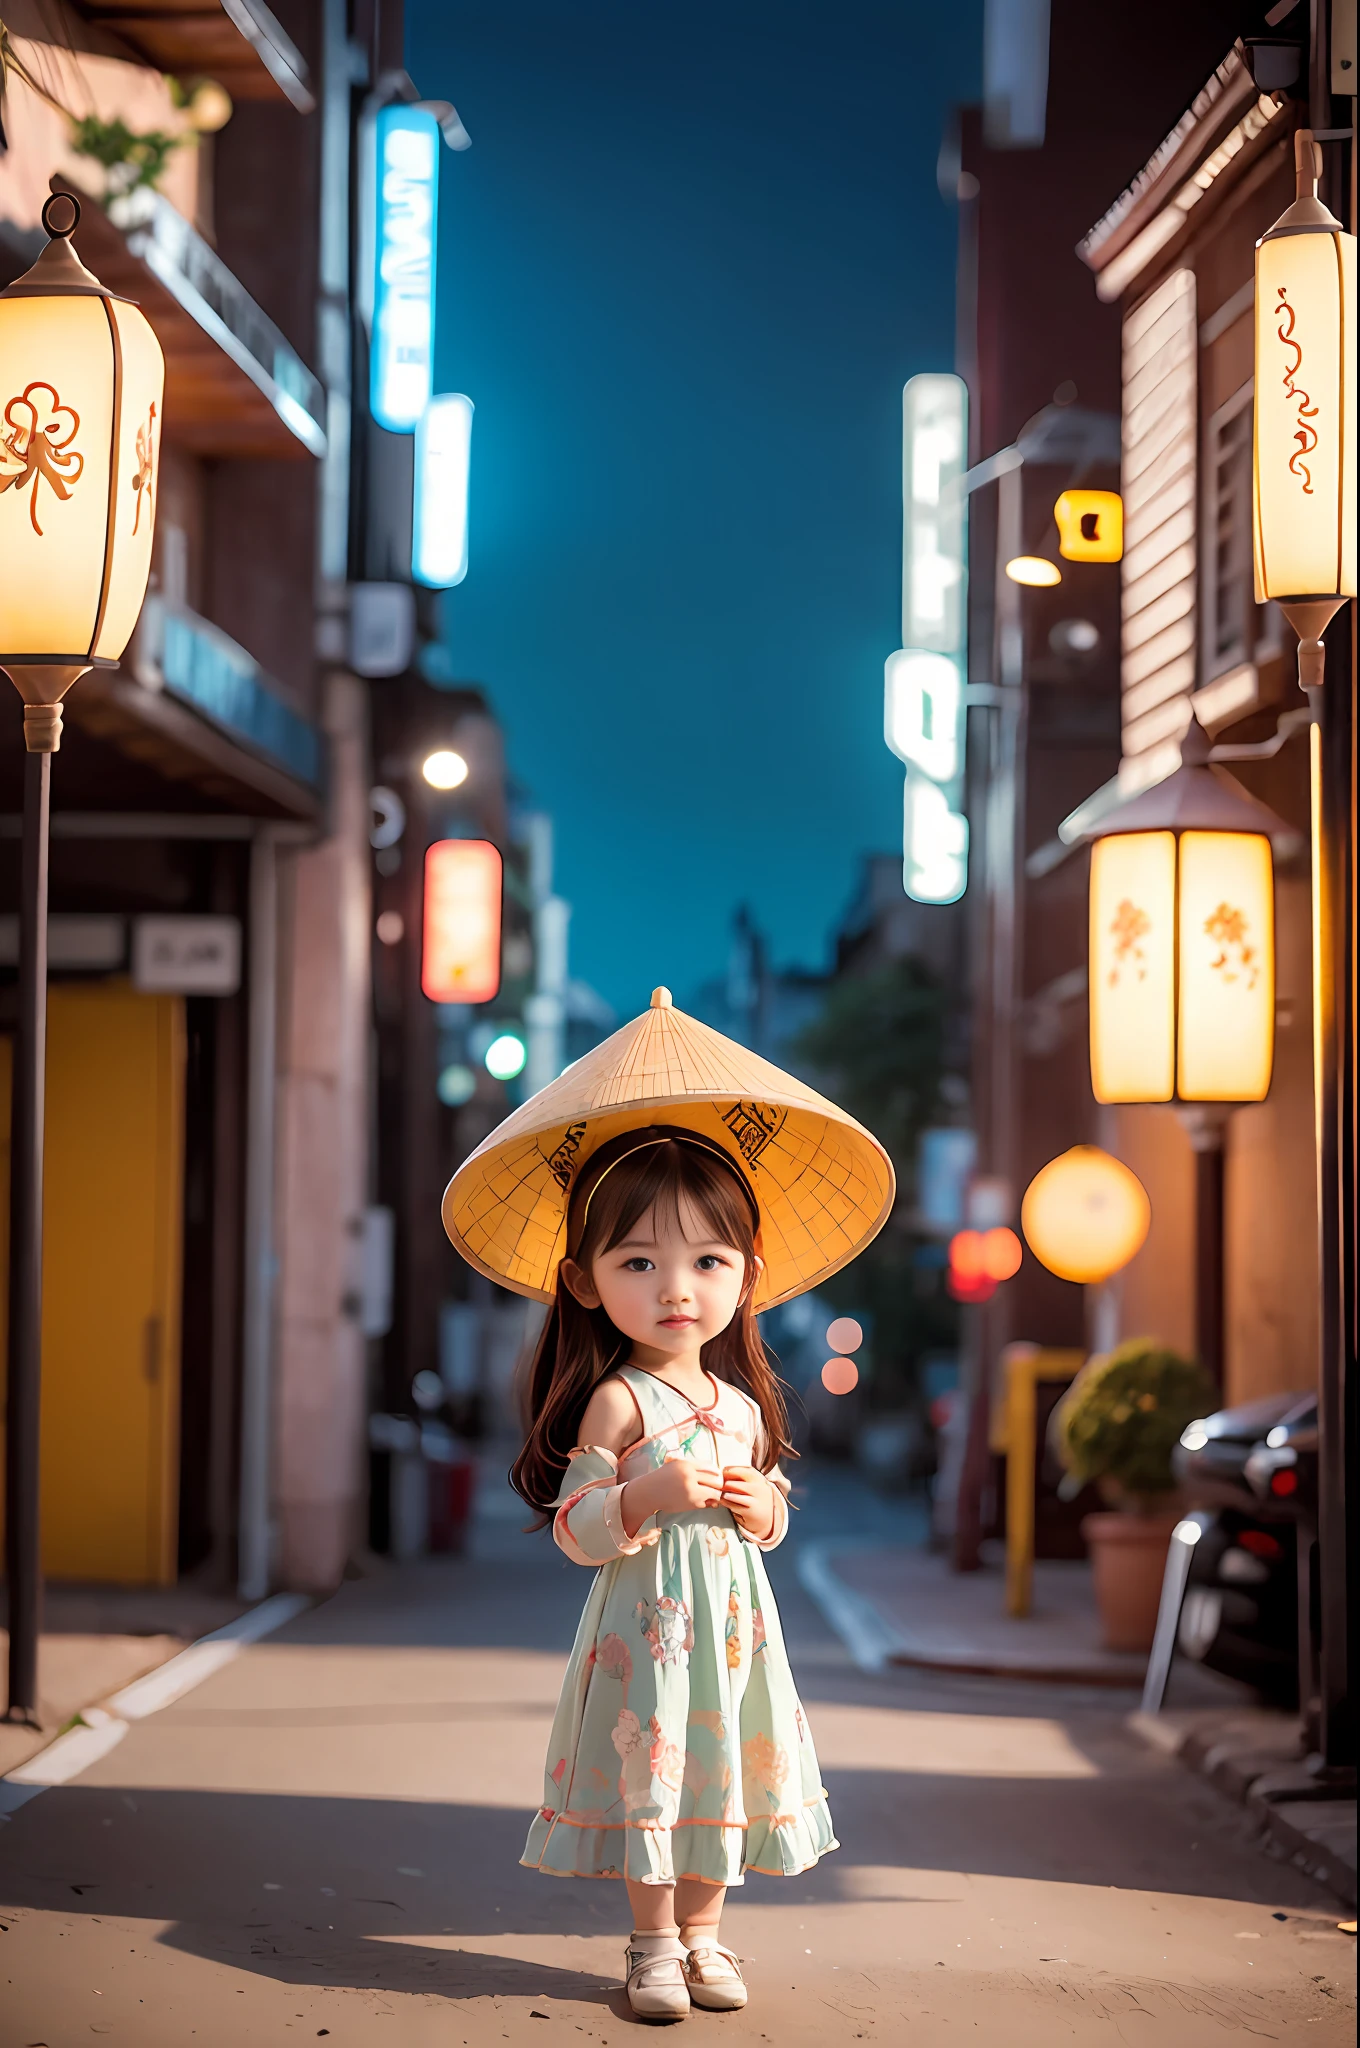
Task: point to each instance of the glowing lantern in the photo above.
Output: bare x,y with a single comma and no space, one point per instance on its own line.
461,955
1305,397
81,396
844,1334
1090,526
1182,938
1085,1215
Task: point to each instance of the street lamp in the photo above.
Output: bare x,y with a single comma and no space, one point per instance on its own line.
81,383
1305,395
1182,974
1304,545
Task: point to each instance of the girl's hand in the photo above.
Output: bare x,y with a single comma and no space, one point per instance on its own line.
749,1498
673,1489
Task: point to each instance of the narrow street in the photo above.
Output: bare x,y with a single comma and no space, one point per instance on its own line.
321,1840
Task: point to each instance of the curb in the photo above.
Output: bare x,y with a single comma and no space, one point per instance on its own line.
101,1729
875,1645
1237,1755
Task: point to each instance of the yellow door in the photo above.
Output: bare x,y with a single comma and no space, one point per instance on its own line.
112,1221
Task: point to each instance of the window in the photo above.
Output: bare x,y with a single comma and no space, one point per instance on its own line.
1236,630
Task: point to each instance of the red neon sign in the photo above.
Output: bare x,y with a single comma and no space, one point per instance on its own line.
979,1260
460,960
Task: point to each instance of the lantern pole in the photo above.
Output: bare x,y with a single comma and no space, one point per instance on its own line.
1206,1124
1335,1038
23,1389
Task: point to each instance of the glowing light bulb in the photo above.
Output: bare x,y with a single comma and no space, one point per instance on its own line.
444,769
1034,571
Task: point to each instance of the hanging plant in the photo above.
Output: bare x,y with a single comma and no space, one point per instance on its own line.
129,160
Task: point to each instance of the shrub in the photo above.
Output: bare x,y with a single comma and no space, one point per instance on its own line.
1122,1417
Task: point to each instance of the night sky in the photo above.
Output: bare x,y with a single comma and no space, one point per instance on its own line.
685,269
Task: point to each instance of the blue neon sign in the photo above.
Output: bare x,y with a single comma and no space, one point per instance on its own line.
401,370
439,533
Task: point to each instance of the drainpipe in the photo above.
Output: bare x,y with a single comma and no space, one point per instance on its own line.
257,1338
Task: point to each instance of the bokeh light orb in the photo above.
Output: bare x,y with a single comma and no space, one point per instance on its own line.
1085,1215
840,1375
505,1057
845,1334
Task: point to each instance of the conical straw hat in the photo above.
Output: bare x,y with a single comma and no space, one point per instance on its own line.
824,1185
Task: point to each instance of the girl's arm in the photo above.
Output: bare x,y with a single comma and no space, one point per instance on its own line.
588,1525
759,1501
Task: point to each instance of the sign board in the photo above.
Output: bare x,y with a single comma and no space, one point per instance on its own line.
186,956
460,960
923,711
439,537
406,204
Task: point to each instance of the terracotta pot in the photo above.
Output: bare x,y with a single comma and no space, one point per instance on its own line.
1128,1558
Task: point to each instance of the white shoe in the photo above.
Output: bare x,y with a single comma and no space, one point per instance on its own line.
714,1978
656,1984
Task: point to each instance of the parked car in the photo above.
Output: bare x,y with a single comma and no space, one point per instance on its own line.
1232,1575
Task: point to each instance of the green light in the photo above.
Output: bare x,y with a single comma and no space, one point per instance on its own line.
505,1057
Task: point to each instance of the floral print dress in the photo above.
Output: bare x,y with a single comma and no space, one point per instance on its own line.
679,1747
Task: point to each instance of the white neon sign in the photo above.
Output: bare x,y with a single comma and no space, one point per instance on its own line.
935,843
439,531
401,371
923,708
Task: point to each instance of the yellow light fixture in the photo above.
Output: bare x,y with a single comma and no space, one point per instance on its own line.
1090,526
81,394
1305,398
1085,1215
1033,570
1182,941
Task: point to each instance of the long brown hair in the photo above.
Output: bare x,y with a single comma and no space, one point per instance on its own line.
657,1169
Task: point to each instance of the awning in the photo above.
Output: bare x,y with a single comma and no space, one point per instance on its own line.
197,708
237,42
234,386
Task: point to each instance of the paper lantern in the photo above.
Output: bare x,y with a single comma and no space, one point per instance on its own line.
461,955
1305,397
1182,941
81,394
1085,1214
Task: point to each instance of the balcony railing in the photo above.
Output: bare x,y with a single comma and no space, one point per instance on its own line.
202,286
197,662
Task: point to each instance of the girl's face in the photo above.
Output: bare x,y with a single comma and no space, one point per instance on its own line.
670,1285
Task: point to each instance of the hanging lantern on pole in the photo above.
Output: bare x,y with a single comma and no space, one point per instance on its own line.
1305,396
81,384
1182,973
81,388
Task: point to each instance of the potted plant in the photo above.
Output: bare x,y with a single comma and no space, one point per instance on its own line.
1117,1426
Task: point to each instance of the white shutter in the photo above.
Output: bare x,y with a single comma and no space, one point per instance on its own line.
1159,432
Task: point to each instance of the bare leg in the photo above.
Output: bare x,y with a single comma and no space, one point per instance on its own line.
698,1906
712,1972
653,1907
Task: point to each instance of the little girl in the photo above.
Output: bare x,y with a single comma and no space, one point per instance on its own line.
680,1756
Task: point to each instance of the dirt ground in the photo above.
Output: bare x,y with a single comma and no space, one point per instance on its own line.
322,1841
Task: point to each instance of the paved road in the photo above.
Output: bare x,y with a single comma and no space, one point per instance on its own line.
322,1840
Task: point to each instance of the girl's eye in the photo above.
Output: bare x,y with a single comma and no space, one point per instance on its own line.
708,1262
637,1265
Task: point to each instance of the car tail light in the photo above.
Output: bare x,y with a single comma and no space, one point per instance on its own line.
1284,1483
1259,1543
